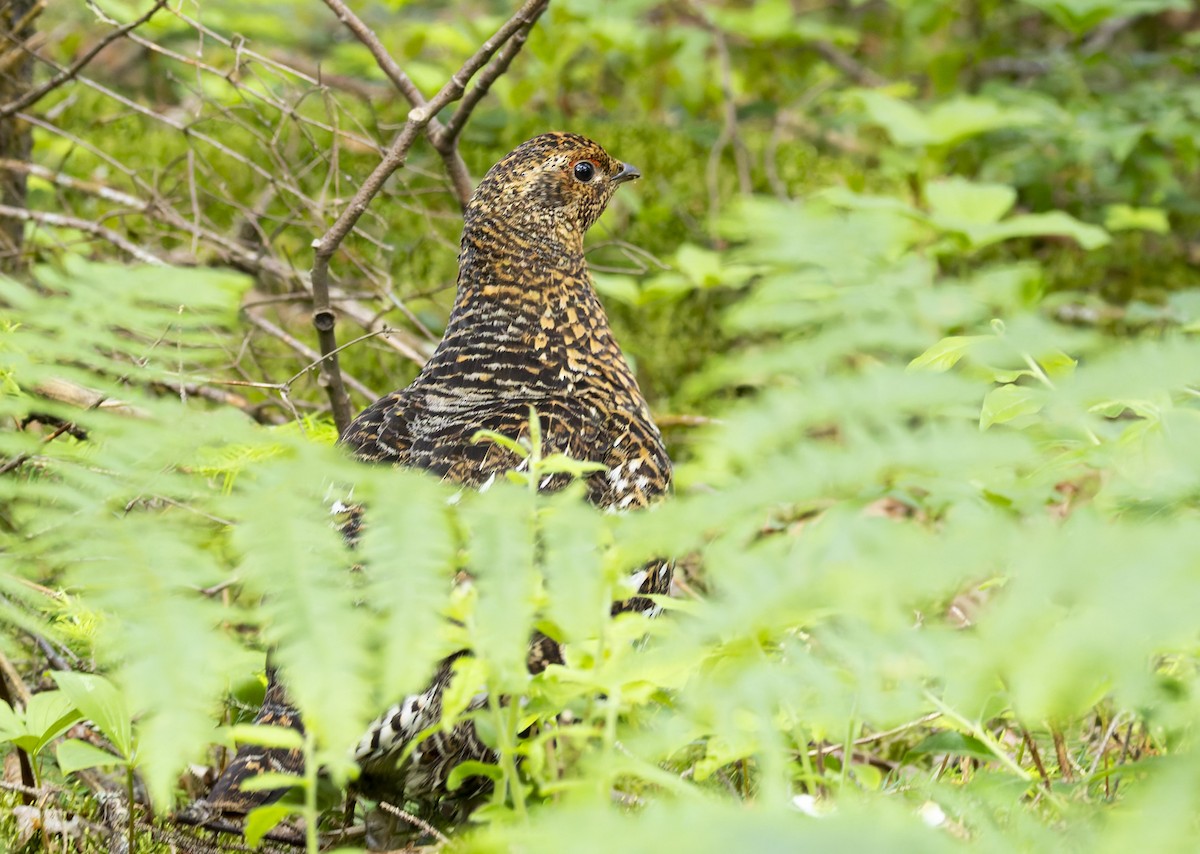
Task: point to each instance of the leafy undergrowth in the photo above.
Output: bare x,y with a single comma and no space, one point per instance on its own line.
938,555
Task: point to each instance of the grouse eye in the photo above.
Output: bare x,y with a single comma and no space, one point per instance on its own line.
585,170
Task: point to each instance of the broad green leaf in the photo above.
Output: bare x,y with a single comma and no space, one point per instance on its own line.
267,736
945,354
1052,224
99,701
1008,402
946,124
262,820
1126,218
618,287
48,715
11,724
956,743
469,676
465,770
268,780
701,266
1079,16
958,203
75,755
1057,364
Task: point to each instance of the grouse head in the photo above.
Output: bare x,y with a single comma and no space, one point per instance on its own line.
556,183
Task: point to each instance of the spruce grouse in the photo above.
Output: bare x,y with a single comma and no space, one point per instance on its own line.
526,329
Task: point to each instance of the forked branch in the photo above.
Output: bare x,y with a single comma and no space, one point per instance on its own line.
420,120
66,74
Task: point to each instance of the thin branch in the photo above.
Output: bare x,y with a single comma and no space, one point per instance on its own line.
34,95
21,699
490,75
418,120
455,167
61,221
228,249
848,65
729,136
307,352
102,191
319,359
383,59
1036,757
416,822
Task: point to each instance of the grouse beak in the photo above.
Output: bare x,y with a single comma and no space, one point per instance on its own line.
628,173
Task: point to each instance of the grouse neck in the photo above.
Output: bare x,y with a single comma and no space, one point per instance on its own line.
520,274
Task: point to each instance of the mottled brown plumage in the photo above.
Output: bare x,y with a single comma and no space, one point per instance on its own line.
526,330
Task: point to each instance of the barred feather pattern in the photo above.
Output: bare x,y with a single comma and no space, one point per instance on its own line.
527,329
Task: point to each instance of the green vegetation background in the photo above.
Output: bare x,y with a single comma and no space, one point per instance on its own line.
911,286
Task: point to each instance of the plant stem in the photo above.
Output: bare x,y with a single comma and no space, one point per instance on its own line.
311,840
129,795
506,726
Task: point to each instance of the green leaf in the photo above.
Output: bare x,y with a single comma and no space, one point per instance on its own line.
468,678
1127,218
946,124
956,743
1052,224
262,820
945,354
294,558
265,735
701,266
409,548
11,724
1080,16
99,701
1008,402
501,559
562,464
1057,364
75,755
614,286
506,442
958,203
48,715
269,780
465,770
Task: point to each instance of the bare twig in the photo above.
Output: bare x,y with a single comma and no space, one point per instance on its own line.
1060,752
52,655
1103,746
62,221
319,359
229,250
454,127
666,422
455,167
1036,757
34,95
729,136
418,119
20,459
101,191
11,676
307,352
416,822
847,64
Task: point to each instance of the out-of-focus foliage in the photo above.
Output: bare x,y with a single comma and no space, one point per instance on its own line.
925,272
